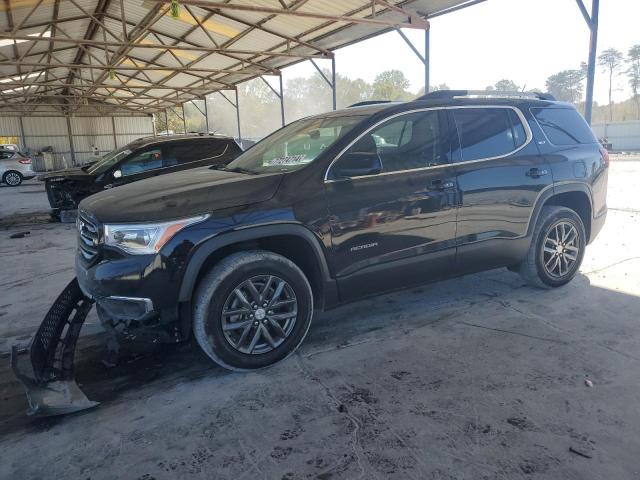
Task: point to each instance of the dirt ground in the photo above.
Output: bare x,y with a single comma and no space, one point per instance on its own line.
474,378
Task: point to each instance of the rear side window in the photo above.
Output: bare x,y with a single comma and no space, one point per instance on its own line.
563,126
189,151
488,132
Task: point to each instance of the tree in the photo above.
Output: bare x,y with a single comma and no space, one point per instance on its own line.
442,86
507,86
566,85
633,72
433,88
352,91
611,61
175,123
391,85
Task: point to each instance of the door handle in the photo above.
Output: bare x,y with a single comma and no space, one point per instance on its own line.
439,184
537,172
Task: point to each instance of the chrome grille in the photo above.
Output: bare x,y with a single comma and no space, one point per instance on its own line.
88,238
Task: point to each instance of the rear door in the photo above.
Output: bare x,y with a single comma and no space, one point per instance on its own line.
500,174
394,227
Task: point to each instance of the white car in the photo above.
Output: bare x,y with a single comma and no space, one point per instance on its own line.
15,167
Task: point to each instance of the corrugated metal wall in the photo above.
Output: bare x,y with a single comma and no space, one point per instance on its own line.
622,135
106,133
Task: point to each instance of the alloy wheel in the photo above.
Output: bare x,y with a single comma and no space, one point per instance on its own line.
561,249
12,179
259,314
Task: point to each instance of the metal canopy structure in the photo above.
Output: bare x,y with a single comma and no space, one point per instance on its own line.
82,57
139,57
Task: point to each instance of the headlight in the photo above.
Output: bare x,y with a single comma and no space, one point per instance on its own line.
145,238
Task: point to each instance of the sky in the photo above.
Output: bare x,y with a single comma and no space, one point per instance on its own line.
522,40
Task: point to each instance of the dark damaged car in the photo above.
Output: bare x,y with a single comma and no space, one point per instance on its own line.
327,210
144,158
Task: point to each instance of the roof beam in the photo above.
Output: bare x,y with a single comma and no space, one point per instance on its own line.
102,85
155,68
157,46
412,21
101,8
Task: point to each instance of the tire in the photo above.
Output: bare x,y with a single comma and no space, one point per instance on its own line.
537,269
12,178
217,293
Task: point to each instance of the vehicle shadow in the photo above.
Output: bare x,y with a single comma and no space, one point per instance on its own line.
436,307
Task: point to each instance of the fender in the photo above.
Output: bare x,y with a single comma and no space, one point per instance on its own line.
555,189
205,249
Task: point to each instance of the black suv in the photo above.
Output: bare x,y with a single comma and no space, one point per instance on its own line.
340,206
143,158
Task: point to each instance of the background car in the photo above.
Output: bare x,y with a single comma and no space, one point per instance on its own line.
14,167
143,158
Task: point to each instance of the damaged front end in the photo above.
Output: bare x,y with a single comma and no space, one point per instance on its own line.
64,194
49,380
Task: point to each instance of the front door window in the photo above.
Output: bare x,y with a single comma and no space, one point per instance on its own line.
144,161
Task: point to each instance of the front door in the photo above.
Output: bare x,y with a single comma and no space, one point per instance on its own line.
144,163
392,206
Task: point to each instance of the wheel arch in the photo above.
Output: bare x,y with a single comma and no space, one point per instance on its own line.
574,195
292,241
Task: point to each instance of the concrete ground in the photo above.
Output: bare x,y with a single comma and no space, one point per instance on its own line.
473,378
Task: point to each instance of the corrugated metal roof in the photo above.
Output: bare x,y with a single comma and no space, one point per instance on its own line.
144,59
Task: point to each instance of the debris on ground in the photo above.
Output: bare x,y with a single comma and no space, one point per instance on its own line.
578,452
20,234
588,382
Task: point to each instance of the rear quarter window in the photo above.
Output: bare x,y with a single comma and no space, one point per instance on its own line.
563,126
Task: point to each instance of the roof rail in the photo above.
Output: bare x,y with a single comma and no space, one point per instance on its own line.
450,94
368,102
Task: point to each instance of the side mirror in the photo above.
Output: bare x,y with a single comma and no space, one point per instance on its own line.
117,174
358,164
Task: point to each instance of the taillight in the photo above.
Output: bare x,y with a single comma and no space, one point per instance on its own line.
25,161
605,156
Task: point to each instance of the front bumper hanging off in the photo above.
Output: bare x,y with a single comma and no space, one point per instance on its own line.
51,388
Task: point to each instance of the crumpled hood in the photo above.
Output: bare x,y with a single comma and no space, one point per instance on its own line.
179,195
75,173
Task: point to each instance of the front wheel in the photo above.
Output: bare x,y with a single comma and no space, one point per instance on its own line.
557,248
11,178
251,310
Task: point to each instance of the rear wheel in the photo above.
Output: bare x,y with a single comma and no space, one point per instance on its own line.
556,250
12,178
251,310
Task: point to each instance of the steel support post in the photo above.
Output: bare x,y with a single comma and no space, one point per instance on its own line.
22,137
115,137
426,59
282,101
70,137
206,116
238,117
591,67
333,82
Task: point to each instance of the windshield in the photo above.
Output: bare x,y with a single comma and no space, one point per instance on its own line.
109,160
294,146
